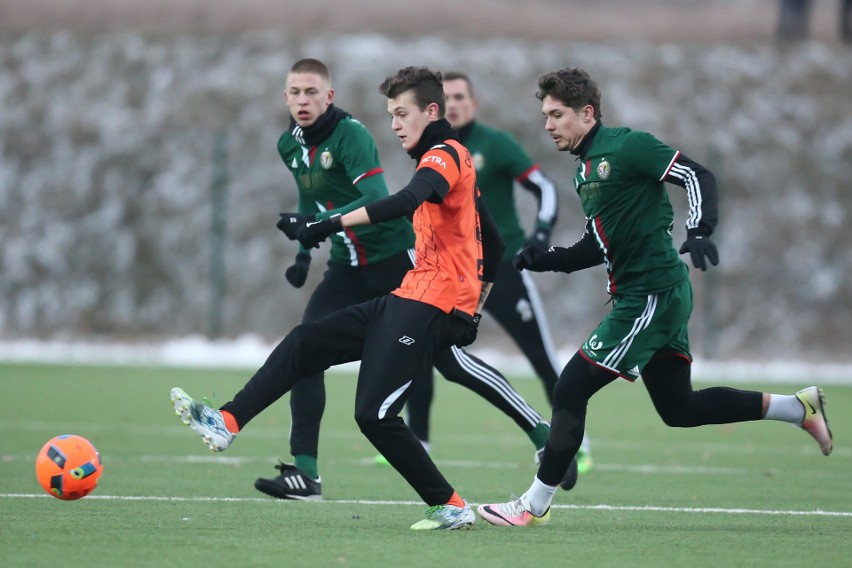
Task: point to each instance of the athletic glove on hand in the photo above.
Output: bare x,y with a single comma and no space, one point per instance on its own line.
298,272
312,233
533,258
540,239
699,245
289,223
467,328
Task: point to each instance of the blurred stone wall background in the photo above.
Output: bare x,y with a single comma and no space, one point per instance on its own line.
114,142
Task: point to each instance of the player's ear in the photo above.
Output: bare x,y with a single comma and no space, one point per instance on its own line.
433,112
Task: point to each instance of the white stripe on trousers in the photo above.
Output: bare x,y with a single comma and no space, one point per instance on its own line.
498,384
541,320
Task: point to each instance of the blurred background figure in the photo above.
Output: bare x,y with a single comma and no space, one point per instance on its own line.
795,15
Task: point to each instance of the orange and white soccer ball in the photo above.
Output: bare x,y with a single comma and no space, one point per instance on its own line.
68,467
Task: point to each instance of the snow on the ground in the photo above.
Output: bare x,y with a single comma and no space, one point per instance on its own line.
249,352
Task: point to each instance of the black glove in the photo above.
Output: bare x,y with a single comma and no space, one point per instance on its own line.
312,233
532,258
289,223
466,328
699,245
540,239
298,272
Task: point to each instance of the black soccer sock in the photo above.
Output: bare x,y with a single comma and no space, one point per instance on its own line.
667,379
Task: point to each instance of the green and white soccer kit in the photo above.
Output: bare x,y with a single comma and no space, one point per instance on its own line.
620,184
339,175
500,161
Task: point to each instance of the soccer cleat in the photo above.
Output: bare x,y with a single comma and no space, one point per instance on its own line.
815,422
447,517
381,460
515,513
584,460
569,480
291,484
206,421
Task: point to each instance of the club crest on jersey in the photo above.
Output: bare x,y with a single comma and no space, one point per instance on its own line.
478,161
326,160
604,169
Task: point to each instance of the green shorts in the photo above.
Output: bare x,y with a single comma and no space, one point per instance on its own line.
639,327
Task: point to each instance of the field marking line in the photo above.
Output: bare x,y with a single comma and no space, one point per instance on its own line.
600,507
643,469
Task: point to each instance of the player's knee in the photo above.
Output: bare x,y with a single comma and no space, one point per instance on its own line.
679,417
365,420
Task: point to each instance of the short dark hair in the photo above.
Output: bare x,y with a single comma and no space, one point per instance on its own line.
572,87
458,75
309,65
426,84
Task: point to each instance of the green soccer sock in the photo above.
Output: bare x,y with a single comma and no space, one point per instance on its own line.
308,465
538,435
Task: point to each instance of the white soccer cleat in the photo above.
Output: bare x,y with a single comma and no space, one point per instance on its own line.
815,422
206,421
515,513
447,517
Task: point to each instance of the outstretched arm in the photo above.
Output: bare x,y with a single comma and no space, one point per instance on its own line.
702,196
542,187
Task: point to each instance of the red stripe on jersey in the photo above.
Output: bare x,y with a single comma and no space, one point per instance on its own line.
360,255
311,153
359,248
374,171
669,168
523,177
599,230
588,168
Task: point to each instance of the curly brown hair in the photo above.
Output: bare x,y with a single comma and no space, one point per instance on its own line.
572,87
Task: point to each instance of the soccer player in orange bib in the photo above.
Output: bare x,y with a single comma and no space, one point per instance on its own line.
457,249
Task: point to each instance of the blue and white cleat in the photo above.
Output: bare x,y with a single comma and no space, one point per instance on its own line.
206,421
447,517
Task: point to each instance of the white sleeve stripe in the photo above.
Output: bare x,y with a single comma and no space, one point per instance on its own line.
547,212
669,167
693,193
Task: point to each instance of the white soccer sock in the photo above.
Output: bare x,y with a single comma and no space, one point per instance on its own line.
539,496
786,408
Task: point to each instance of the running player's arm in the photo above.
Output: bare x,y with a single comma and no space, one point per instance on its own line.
701,192
372,187
515,162
492,251
359,158
656,160
426,185
544,190
585,253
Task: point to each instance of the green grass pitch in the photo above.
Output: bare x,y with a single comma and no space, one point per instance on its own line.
757,494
